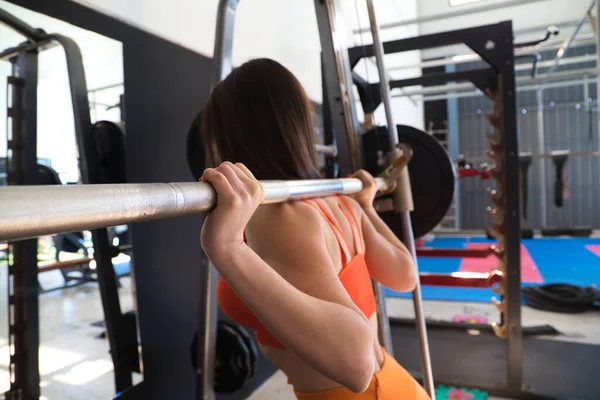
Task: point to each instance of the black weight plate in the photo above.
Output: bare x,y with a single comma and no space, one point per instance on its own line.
46,175
196,157
431,171
432,178
232,359
252,349
110,145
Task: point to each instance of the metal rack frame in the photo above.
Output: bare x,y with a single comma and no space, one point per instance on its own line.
494,44
25,57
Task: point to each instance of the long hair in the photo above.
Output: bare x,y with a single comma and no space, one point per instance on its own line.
261,116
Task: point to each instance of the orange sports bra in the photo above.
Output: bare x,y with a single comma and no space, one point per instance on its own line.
354,277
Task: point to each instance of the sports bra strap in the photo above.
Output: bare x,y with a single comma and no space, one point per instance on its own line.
346,208
346,256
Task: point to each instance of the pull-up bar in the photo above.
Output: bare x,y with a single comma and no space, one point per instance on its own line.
32,211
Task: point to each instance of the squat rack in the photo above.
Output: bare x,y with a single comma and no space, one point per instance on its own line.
24,291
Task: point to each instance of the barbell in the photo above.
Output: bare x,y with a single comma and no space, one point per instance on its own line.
32,211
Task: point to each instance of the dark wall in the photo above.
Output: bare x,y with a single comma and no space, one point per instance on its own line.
165,84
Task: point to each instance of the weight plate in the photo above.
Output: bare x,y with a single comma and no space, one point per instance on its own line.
232,359
46,175
110,145
196,157
432,176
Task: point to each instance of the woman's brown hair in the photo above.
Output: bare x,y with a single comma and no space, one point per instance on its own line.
261,116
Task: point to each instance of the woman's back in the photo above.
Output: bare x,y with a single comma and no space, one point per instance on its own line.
284,228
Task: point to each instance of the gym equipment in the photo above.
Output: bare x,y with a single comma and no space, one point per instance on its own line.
462,279
562,298
524,164
432,176
577,231
460,253
196,154
110,144
235,358
560,159
29,211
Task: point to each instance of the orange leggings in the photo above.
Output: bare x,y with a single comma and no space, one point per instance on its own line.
392,382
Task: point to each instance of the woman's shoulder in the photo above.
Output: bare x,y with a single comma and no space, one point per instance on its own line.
283,215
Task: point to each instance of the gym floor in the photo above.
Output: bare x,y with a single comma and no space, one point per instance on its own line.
75,364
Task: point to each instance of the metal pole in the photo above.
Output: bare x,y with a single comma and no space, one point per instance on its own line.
384,83
32,211
567,44
597,36
541,146
224,39
406,221
467,86
458,13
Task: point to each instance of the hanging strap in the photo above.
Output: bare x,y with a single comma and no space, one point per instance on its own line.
346,256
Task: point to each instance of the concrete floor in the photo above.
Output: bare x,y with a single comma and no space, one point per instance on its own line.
75,365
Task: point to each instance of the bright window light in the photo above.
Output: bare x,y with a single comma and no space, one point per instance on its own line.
461,2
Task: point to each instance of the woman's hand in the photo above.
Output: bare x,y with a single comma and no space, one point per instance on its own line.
238,195
366,196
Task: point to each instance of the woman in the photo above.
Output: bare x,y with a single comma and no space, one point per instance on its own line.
298,273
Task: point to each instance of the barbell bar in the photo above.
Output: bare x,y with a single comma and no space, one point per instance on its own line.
31,211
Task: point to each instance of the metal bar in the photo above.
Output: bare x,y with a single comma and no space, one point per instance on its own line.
597,37
460,253
461,87
89,165
32,211
328,150
458,13
98,89
541,148
64,264
337,75
462,36
224,39
567,44
436,78
512,219
409,240
20,26
383,79
470,57
24,334
462,279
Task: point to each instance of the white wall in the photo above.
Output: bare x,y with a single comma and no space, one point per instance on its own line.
103,63
405,111
524,17
284,30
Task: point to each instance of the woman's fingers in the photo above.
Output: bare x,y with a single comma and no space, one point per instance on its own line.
245,169
256,187
233,176
221,184
366,178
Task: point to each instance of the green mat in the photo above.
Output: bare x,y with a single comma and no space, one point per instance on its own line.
443,392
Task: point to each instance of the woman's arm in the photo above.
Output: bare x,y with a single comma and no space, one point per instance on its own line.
291,284
388,260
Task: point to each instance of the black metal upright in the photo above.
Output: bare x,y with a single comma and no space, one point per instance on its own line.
23,292
89,165
505,58
117,328
339,95
494,43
